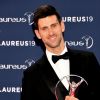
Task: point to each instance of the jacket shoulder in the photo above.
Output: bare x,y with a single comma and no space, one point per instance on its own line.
80,52
36,66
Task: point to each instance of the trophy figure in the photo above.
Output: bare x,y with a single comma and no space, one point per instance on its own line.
74,81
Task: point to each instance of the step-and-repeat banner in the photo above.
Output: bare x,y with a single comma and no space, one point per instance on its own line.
18,49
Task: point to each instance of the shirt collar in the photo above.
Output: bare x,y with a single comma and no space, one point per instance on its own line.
49,54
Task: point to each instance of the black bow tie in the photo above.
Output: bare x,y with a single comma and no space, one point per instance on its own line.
55,58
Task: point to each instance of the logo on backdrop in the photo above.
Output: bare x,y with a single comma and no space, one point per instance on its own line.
27,17
86,41
27,64
6,89
78,19
17,43
65,19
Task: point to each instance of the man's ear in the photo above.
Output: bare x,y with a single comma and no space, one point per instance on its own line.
37,34
63,26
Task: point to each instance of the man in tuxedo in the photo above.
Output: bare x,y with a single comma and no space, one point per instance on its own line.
40,79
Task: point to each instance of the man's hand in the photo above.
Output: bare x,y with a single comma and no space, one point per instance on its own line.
71,98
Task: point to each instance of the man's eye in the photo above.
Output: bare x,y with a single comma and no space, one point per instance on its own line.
54,25
44,28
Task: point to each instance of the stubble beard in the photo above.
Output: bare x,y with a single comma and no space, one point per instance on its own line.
55,46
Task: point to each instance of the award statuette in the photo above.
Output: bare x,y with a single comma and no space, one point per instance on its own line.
73,82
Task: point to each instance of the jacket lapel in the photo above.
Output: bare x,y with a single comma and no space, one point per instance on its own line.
74,62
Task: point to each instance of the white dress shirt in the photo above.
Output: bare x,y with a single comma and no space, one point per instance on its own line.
61,67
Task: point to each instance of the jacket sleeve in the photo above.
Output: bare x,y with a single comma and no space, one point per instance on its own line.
94,74
29,91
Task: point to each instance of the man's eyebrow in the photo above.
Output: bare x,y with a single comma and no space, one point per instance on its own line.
54,23
44,27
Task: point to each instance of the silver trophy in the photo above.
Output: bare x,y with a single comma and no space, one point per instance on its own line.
72,81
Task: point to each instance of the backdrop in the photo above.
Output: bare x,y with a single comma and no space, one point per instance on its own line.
18,49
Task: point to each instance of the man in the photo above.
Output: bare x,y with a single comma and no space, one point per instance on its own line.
39,80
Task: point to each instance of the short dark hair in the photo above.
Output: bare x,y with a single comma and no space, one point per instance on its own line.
44,11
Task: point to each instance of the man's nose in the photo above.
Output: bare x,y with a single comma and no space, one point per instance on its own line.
50,31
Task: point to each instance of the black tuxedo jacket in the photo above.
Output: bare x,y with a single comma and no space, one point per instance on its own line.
39,80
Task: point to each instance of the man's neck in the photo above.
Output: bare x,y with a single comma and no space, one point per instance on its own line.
58,51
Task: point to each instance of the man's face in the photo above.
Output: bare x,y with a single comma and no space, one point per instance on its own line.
50,31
